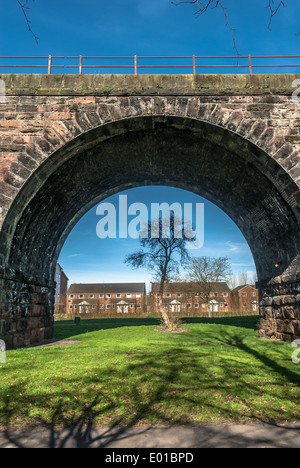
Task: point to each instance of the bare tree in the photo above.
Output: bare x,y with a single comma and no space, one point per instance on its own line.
243,278
232,282
160,246
203,6
203,273
253,278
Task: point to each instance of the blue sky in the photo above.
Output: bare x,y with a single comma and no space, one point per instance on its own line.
146,27
86,258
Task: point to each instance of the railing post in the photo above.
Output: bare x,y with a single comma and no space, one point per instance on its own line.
194,64
250,64
135,65
80,65
49,64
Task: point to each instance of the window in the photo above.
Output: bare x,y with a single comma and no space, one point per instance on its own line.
101,296
93,307
216,294
244,294
225,294
189,306
108,306
71,296
244,304
81,296
138,295
203,306
138,306
113,306
108,296
128,295
118,295
168,295
71,307
254,294
91,296
196,306
131,306
178,295
225,304
101,306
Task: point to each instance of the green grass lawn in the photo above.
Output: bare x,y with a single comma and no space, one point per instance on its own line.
124,372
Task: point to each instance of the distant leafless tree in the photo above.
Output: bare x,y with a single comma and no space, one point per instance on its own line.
243,278
232,282
203,273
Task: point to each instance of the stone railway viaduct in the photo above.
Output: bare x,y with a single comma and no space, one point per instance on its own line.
67,142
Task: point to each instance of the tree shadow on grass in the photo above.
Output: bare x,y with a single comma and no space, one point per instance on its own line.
64,330
178,386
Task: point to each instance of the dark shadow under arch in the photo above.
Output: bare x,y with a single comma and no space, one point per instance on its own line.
208,160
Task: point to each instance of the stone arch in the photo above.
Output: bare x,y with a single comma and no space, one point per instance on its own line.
64,118
208,159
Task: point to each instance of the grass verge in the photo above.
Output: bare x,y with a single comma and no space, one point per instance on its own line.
125,373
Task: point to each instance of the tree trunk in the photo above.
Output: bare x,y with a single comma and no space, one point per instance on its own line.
163,314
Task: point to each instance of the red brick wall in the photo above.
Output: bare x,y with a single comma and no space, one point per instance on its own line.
196,300
242,299
97,301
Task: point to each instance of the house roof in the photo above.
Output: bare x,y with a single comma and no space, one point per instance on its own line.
122,301
85,302
171,301
177,288
239,288
108,288
179,301
216,299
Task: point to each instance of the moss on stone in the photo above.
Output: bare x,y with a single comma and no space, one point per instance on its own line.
120,85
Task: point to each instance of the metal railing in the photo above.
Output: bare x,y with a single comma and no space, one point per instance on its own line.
134,64
49,65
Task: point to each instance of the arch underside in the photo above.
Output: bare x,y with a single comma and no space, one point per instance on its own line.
205,159
212,162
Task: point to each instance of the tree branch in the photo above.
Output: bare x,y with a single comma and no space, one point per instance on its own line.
201,9
273,10
24,7
203,6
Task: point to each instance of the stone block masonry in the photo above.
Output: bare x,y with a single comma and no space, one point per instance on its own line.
67,142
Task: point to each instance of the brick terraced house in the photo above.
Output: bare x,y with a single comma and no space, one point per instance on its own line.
245,298
177,298
105,297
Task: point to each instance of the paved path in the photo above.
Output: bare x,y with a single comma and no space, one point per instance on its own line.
205,436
